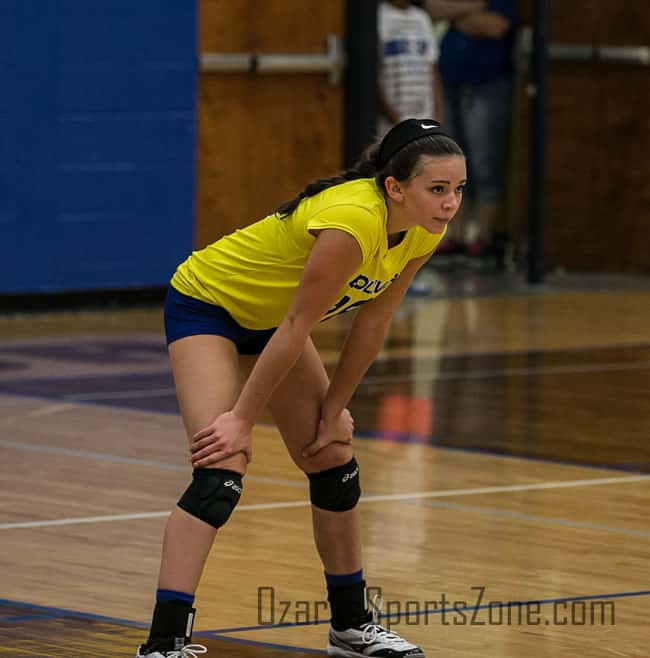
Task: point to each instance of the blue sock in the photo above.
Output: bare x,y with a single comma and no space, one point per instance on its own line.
347,598
170,596
346,579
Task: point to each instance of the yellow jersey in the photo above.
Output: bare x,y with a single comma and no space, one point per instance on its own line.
254,272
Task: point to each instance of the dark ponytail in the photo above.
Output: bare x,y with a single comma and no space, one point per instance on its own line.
364,168
397,155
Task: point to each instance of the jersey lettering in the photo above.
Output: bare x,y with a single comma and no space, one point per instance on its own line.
337,307
363,283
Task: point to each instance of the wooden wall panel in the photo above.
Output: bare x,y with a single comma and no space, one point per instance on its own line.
598,187
261,138
572,160
252,155
572,22
225,26
622,23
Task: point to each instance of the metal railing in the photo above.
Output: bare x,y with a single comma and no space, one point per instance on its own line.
567,52
331,62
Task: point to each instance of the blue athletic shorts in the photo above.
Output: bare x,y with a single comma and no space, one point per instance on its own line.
186,316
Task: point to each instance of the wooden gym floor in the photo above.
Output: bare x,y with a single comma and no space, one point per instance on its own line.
503,442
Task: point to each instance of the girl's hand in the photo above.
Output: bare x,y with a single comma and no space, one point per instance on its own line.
224,437
338,429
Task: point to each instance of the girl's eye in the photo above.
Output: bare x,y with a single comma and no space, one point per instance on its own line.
437,189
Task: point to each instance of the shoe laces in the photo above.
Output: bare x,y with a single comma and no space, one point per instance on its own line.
372,631
188,651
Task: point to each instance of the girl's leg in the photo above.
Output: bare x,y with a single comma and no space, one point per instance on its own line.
296,405
206,376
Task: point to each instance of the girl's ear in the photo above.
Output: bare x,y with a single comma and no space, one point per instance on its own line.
394,189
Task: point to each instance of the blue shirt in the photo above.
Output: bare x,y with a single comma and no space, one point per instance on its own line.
472,60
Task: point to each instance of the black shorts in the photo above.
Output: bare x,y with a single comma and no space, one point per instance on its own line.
186,316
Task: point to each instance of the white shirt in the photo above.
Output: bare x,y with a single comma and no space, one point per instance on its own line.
407,51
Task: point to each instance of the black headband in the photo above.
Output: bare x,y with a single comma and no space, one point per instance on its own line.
404,133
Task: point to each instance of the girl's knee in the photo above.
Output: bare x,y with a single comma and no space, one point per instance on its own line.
331,456
236,463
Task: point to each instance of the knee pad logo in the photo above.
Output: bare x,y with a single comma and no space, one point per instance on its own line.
233,485
349,476
212,496
335,490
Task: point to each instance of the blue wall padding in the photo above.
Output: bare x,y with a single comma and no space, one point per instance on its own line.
97,142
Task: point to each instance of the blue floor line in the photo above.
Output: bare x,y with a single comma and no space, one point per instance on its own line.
57,613
256,643
18,618
48,612
436,611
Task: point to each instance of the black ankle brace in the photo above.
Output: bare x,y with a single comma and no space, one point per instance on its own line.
348,605
171,626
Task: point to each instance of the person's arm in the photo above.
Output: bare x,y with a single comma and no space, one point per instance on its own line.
486,24
450,10
385,108
334,258
361,347
438,104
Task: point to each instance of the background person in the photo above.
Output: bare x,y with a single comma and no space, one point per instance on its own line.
476,69
408,50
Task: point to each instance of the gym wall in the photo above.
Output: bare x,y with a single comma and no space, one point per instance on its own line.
97,142
598,142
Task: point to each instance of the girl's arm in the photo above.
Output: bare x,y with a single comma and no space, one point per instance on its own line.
361,347
450,10
486,24
334,258
438,102
385,108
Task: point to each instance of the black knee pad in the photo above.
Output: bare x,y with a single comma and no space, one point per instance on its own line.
212,495
336,489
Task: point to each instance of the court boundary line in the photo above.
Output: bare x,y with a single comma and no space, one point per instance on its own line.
58,613
220,634
257,643
437,611
52,612
417,495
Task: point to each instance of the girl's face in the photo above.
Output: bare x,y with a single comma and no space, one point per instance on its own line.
432,195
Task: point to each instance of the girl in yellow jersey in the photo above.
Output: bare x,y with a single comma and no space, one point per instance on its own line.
245,305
